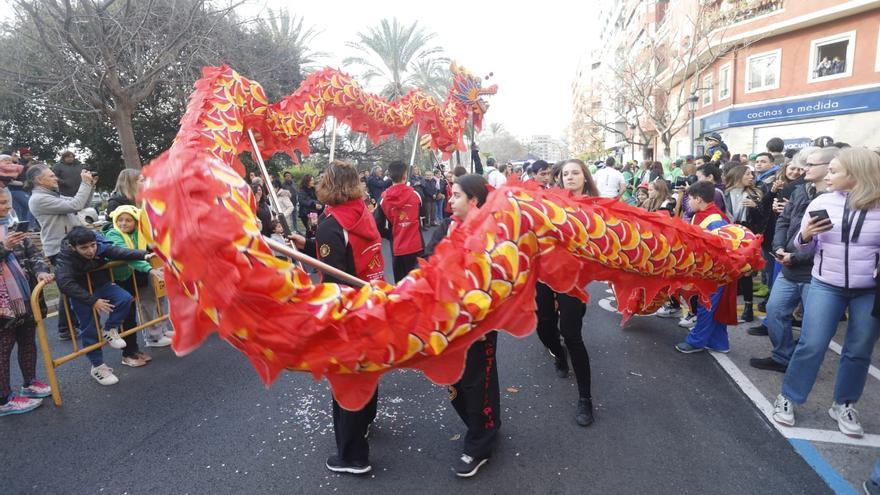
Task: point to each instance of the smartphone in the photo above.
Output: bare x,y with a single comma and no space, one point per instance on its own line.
819,215
22,226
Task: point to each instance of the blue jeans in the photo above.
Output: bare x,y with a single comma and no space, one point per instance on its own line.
875,475
822,311
781,304
120,299
22,211
708,332
439,205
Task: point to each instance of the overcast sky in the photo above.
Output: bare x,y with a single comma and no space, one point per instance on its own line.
532,47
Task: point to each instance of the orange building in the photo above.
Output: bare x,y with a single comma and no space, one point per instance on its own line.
801,70
794,69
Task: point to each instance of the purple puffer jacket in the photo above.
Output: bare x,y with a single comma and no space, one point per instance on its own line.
844,260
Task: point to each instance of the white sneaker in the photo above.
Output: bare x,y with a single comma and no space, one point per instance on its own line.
689,321
783,411
112,336
668,311
162,341
104,375
847,419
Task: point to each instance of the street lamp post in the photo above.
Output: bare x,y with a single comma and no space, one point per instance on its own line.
692,108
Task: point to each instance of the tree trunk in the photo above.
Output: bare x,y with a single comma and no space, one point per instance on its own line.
125,131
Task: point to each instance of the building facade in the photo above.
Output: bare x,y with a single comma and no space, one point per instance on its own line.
792,69
813,70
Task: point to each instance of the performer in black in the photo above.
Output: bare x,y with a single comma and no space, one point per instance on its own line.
475,397
347,227
563,314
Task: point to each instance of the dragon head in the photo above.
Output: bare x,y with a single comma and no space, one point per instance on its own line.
467,89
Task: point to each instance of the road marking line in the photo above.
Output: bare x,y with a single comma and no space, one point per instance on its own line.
872,370
822,467
766,407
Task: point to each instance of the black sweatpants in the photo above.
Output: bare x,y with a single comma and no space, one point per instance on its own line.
560,314
402,265
476,397
21,331
350,429
548,318
745,286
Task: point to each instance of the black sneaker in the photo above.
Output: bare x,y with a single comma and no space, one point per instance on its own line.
561,364
760,331
748,314
762,306
767,364
584,414
64,336
337,465
796,323
468,466
871,488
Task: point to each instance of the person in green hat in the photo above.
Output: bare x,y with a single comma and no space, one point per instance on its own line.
125,234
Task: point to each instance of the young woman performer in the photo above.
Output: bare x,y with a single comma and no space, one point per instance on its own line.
563,314
475,396
345,228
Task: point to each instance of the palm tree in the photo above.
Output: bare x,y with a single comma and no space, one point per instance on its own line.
396,54
286,29
431,75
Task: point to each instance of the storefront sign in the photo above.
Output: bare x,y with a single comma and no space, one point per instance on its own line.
797,143
822,106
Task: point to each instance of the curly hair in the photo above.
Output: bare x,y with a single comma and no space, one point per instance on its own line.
340,184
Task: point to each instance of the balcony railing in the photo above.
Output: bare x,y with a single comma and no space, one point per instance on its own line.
732,11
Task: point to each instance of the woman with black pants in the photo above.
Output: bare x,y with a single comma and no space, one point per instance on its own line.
563,314
345,228
476,396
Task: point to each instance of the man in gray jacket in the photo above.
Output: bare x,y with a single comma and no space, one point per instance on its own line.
56,214
793,284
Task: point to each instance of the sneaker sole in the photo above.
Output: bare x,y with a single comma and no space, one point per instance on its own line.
716,350
783,422
132,365
472,471
668,316
105,384
35,396
20,411
854,434
152,344
349,470
117,346
769,368
692,351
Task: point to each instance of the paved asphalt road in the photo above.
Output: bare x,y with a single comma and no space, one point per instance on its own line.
665,423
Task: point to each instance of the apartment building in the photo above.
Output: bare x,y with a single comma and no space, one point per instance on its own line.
794,69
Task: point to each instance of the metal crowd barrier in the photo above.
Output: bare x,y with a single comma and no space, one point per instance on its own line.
50,362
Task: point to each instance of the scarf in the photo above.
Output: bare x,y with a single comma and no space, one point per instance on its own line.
363,237
14,287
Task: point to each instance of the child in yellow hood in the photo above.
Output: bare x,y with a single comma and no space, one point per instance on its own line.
125,234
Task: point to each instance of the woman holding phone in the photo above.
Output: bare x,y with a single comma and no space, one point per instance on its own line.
742,203
842,229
